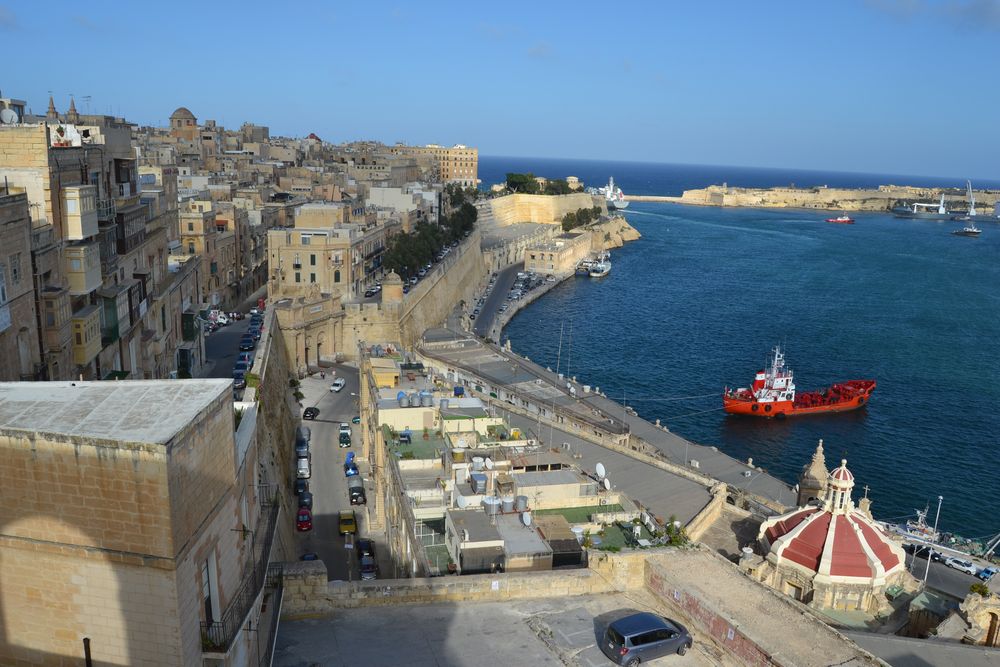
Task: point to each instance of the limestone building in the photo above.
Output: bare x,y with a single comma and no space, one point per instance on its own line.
133,516
20,356
559,255
457,164
183,124
832,555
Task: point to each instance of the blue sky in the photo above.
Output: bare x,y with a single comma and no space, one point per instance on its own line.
895,86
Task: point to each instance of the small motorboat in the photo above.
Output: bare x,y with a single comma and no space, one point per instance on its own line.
971,230
842,219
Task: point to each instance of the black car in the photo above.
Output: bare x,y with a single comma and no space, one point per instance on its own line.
309,556
305,500
247,344
301,486
310,413
254,333
239,380
365,547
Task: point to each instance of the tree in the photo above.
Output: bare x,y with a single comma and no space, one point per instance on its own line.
522,183
558,186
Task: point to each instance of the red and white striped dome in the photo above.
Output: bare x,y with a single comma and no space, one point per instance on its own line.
842,474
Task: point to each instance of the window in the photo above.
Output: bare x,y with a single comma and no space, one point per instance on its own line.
298,277
312,260
15,268
190,226
312,277
336,276
71,206
190,247
305,239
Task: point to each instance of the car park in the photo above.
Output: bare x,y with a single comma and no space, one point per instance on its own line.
962,565
338,384
306,500
303,520
347,523
643,637
310,413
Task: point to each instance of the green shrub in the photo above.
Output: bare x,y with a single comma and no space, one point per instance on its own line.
980,588
298,395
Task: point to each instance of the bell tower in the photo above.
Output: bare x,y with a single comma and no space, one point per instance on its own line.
813,480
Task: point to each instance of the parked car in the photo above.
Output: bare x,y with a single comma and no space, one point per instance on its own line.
348,523
421,273
938,557
301,448
406,289
369,292
365,547
987,573
312,555
303,520
246,357
369,568
241,366
310,413
247,344
413,280
301,486
302,468
643,637
356,491
239,380
306,500
345,428
355,419
962,565
254,333
344,440
350,469
338,384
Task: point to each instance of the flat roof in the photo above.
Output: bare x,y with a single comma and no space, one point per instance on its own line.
476,522
549,477
151,411
519,539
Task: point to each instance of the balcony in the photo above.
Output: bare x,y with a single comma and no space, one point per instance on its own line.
106,209
80,212
82,266
86,334
217,637
56,324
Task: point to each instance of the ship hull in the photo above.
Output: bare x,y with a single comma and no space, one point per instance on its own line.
617,205
921,215
809,403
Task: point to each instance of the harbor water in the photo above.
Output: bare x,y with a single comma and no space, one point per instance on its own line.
699,302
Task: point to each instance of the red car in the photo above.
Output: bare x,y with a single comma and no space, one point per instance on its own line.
303,520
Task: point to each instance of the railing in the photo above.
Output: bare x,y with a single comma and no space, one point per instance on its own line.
218,636
106,209
275,587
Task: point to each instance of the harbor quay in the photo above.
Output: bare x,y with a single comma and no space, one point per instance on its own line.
520,386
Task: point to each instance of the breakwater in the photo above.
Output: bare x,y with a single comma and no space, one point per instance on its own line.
881,198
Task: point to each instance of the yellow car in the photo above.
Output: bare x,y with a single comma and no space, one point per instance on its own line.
348,523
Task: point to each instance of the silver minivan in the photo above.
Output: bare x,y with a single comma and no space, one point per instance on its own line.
643,637
302,468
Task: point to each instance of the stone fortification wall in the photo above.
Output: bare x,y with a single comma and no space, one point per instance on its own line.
545,209
844,199
612,233
436,296
751,621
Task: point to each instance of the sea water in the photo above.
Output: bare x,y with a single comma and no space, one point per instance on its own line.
698,303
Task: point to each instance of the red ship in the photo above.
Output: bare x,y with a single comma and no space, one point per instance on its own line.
773,394
842,220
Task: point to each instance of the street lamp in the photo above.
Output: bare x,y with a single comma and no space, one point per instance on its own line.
936,517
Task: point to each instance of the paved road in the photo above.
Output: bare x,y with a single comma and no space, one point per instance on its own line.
222,346
328,483
497,297
941,577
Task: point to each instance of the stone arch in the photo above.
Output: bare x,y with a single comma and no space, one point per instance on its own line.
994,629
320,349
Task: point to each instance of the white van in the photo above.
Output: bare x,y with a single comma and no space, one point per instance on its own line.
302,470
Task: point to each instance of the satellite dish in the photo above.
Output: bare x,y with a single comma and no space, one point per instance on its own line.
526,518
601,472
489,463
461,501
8,116
607,484
465,535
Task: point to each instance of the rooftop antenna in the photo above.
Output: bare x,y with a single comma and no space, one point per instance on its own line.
86,102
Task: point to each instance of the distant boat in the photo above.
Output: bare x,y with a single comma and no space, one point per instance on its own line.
602,266
614,198
969,230
923,210
843,219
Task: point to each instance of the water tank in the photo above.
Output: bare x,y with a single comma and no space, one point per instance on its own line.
578,532
521,503
400,395
404,401
507,503
426,400
458,455
415,399
444,404
492,505
478,482
477,462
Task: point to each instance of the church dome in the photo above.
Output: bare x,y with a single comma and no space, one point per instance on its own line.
182,113
835,540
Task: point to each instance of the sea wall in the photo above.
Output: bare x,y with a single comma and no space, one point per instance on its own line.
837,199
544,209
